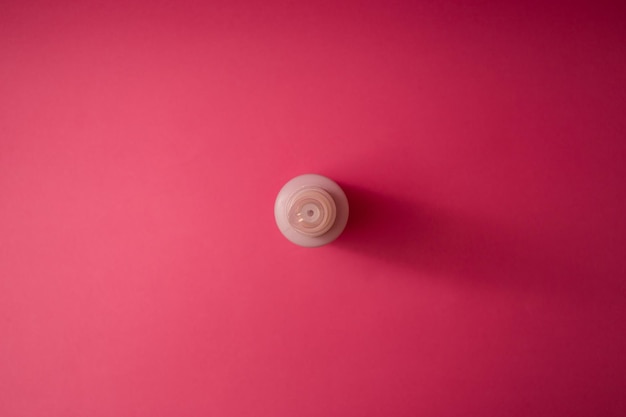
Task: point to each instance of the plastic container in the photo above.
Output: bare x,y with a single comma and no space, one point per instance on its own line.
311,210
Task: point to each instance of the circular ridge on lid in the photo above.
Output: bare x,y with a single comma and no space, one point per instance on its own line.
311,211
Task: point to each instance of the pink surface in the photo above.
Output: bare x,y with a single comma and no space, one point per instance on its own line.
483,151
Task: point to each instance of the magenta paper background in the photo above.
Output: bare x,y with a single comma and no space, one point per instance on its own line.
481,145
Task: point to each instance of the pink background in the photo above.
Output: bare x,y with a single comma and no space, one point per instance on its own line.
481,144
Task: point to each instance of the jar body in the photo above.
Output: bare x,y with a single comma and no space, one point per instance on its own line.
311,210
